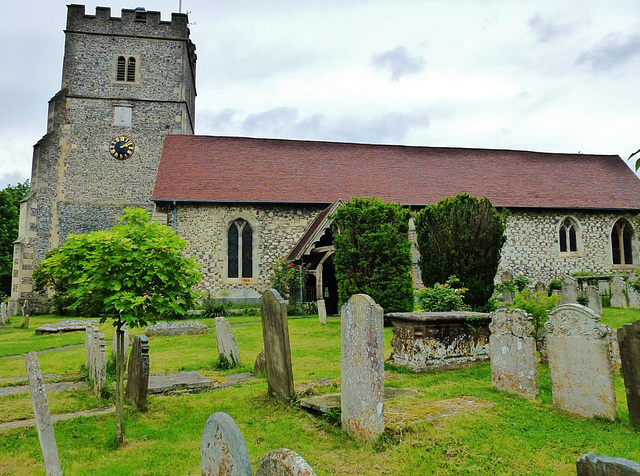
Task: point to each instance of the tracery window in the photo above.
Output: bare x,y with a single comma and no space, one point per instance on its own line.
126,69
568,236
621,236
240,249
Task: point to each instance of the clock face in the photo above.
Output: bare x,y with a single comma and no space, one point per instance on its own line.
121,148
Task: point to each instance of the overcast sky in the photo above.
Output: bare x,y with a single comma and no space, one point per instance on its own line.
558,76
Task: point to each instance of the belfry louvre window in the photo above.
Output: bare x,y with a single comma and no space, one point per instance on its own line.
568,236
126,69
621,242
240,250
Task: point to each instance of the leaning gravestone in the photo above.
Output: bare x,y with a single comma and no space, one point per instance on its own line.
4,315
322,311
42,416
512,350
618,299
284,462
595,301
277,351
507,294
579,362
138,373
222,449
226,342
362,394
629,344
592,465
569,290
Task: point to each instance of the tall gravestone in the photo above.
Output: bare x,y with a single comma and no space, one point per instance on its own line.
322,311
114,346
88,348
629,344
42,416
362,394
512,350
4,314
569,290
138,373
595,301
222,448
284,462
618,298
226,342
99,363
579,362
592,465
507,294
277,351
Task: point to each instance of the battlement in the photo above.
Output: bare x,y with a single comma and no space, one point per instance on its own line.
131,23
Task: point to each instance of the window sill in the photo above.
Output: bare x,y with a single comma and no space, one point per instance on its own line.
625,267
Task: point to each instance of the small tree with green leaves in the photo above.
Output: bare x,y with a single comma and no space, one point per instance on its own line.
373,252
133,274
461,236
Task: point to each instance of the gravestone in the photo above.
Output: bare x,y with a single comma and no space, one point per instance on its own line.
569,290
222,449
322,311
604,287
260,364
618,299
176,328
595,301
4,315
592,465
277,351
512,350
629,343
634,297
539,287
13,307
88,347
26,309
284,462
99,363
579,362
507,294
614,349
114,344
42,416
67,325
138,373
227,344
362,394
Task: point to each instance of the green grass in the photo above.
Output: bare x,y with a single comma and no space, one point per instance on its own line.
615,317
515,436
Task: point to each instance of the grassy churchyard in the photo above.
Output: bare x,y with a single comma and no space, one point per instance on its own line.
511,436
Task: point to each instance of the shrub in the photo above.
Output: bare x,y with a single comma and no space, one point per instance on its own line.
211,309
373,252
536,304
442,297
521,282
461,236
555,284
286,277
223,363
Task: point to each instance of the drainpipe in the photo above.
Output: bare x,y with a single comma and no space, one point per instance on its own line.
175,217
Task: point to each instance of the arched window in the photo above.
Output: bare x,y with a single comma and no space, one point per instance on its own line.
240,249
568,235
120,72
621,235
131,69
126,69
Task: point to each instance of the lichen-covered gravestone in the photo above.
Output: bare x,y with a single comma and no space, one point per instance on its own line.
222,449
629,344
507,294
4,315
362,393
138,373
322,311
99,363
579,362
618,298
512,350
260,365
592,465
277,351
284,462
595,301
42,416
226,342
569,290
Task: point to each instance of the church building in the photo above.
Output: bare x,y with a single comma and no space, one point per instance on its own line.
120,133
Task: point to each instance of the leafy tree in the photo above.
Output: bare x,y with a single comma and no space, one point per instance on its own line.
637,155
373,252
133,274
461,236
10,198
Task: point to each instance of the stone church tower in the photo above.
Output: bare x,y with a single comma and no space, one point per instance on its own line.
126,82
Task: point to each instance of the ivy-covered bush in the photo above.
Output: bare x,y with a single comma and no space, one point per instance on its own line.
442,297
461,236
373,252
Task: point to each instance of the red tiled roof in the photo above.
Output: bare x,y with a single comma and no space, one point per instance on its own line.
239,169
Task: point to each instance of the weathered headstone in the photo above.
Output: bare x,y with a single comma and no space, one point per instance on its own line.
222,449
507,294
88,347
604,287
277,351
579,362
42,416
592,465
25,324
629,343
99,363
176,328
4,315
322,311
114,344
595,301
512,350
539,287
26,309
618,298
634,297
227,344
260,364
614,349
67,325
362,393
569,290
138,373
284,462
13,307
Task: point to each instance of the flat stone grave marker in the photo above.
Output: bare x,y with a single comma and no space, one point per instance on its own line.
222,448
512,350
182,380
579,362
629,344
226,342
618,299
322,311
138,373
42,416
284,462
595,301
69,325
507,294
362,369
277,351
176,328
592,465
569,290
